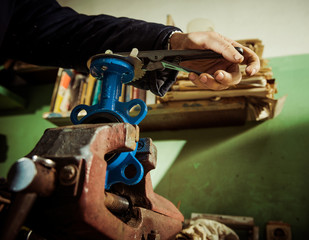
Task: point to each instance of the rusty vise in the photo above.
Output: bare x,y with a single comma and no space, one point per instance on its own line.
61,194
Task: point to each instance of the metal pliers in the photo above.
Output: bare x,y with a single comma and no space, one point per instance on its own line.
170,59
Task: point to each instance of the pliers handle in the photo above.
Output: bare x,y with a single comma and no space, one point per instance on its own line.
161,59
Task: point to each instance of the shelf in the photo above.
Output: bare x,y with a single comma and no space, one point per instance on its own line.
36,75
195,114
10,100
182,115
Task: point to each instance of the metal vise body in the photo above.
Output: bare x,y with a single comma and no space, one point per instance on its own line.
77,205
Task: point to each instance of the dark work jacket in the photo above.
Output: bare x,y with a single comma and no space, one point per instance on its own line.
44,33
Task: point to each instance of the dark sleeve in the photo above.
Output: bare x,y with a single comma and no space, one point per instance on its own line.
44,33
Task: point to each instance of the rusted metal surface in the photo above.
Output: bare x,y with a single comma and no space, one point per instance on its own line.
80,207
73,140
142,194
115,203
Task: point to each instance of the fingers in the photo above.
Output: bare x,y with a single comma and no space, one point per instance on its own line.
206,81
228,74
208,40
250,59
219,81
224,46
231,76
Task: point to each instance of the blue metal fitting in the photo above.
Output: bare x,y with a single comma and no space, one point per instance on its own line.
114,71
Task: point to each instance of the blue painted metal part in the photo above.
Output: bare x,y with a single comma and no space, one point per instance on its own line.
113,71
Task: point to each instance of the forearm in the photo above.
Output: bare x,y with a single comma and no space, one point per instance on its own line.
44,33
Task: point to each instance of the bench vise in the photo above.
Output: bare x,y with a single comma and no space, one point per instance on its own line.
61,192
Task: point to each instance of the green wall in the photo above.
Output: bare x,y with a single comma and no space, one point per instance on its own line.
257,170
23,128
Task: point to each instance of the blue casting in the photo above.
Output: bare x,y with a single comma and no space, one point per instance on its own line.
114,71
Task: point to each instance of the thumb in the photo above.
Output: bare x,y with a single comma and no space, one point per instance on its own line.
224,46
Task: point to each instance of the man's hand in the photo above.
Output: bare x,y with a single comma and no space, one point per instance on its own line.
217,74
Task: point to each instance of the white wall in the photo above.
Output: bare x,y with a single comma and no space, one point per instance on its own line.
282,25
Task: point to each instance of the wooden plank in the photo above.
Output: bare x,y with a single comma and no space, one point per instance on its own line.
197,95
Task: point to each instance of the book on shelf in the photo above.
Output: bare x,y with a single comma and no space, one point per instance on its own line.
88,89
97,92
70,90
254,44
250,82
259,90
61,99
73,88
151,98
207,94
77,90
